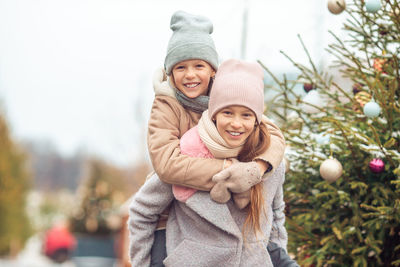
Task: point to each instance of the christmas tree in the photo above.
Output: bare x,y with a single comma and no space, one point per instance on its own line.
343,187
15,181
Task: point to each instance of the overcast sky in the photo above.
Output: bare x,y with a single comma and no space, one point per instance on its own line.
78,72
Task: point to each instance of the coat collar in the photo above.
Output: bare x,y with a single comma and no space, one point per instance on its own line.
161,84
217,214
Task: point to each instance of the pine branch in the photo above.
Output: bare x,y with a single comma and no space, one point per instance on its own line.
377,139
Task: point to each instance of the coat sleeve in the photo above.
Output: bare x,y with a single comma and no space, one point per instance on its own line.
274,154
278,233
164,131
144,211
279,256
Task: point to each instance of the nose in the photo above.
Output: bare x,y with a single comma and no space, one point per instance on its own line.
190,73
236,123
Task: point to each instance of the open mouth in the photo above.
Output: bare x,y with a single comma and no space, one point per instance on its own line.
235,134
191,85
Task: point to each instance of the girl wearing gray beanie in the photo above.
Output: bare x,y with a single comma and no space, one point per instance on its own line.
201,232
181,95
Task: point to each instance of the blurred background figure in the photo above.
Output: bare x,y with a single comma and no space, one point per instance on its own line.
59,243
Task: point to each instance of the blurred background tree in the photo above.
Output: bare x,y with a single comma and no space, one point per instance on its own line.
99,217
101,194
15,182
343,187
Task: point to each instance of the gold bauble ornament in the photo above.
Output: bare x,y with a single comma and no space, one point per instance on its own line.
294,121
336,8
394,13
362,98
331,169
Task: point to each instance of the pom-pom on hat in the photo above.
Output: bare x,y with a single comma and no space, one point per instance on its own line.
238,83
191,39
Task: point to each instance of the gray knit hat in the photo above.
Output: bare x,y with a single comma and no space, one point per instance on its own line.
191,39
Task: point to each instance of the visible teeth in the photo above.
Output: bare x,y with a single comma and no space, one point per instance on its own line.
191,85
234,133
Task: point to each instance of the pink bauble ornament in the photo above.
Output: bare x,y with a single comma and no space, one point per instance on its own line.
376,165
331,169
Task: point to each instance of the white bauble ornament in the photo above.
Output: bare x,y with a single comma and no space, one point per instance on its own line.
313,98
373,6
372,109
331,169
336,8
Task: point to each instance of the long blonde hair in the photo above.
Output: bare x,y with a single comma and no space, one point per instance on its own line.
257,142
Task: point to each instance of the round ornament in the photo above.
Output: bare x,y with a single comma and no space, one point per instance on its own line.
357,87
373,6
314,99
308,87
331,169
395,13
293,121
376,165
336,6
362,98
372,109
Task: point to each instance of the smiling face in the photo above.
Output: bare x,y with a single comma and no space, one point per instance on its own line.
192,77
235,124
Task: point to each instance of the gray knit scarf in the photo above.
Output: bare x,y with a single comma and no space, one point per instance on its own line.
198,104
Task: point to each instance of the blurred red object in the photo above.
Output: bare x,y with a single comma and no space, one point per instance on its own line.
59,243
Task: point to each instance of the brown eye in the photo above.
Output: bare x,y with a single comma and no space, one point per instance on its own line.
179,67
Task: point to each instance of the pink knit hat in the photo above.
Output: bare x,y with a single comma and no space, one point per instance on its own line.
238,83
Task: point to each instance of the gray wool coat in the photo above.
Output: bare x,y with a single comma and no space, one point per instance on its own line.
201,232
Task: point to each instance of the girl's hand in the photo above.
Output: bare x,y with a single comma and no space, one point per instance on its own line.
237,178
241,200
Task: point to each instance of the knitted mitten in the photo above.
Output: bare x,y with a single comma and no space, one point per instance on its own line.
241,200
220,193
237,178
161,84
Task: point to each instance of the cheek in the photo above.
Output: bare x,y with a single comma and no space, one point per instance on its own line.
221,125
176,79
250,126
206,77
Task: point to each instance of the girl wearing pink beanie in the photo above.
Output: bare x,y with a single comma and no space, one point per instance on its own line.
237,231
182,91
